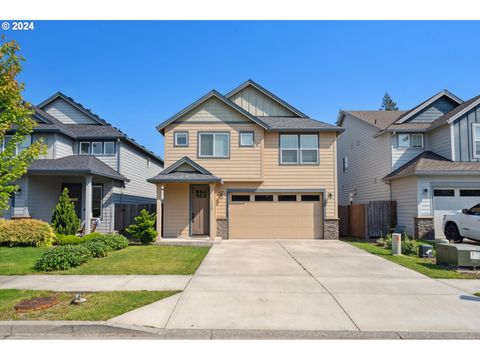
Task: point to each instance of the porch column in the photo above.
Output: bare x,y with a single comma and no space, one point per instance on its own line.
88,203
213,215
159,210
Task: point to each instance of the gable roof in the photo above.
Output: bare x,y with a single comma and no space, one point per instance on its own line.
407,115
281,123
430,163
209,95
172,174
455,113
102,130
378,118
268,94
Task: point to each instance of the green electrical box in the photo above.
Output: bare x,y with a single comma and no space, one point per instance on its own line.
461,255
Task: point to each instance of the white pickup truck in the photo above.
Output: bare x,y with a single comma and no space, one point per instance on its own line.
462,224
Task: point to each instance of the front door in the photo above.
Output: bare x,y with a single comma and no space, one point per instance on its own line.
200,218
75,195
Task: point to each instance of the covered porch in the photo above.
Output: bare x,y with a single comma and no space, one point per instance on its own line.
186,201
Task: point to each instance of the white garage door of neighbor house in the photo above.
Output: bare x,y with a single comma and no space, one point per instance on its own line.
448,200
275,216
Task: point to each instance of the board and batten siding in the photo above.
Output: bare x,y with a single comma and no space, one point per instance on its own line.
368,162
404,192
439,141
66,113
463,135
63,146
259,104
133,165
244,163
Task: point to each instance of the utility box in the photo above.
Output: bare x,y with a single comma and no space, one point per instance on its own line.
425,251
462,255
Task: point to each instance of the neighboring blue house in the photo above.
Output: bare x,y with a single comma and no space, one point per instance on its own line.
100,165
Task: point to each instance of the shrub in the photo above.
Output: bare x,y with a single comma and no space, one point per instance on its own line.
92,236
70,240
409,246
112,241
97,248
26,232
64,219
143,229
63,257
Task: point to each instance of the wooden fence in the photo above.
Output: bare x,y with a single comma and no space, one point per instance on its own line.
371,220
125,214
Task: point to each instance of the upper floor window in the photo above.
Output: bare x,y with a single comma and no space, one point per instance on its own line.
345,164
476,140
246,138
20,146
410,141
97,148
299,149
181,138
215,145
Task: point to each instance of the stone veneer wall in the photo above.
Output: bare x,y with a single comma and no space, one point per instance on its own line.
330,229
424,228
222,228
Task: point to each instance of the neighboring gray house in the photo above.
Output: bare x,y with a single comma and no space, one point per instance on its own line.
99,164
426,159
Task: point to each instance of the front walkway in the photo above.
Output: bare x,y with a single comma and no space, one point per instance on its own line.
95,282
308,285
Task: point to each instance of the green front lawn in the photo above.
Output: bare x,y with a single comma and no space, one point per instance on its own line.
422,265
100,306
133,260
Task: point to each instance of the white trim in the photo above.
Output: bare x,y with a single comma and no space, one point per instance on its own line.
247,133
463,112
310,149
89,147
475,140
214,134
175,138
101,149
409,140
297,148
104,147
101,201
452,143
429,102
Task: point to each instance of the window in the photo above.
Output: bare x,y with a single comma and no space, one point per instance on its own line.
310,197
20,147
476,140
299,149
345,164
444,192
246,138
181,139
240,197
214,145
472,192
84,148
109,148
287,197
97,148
410,141
97,196
263,197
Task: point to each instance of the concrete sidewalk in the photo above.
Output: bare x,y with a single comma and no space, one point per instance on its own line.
95,282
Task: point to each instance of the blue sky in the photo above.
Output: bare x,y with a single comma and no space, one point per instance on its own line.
136,74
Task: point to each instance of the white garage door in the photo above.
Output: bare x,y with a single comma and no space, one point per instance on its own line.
275,216
448,200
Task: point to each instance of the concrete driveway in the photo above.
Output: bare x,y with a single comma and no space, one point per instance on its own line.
309,285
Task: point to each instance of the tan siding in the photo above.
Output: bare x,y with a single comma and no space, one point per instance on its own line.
176,208
404,192
368,159
258,104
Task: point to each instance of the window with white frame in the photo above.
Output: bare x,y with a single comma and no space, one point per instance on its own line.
476,140
215,145
345,164
410,140
97,195
98,148
298,149
109,148
246,138
181,138
84,148
27,141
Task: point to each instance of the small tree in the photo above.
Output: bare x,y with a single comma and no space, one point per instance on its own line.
388,104
144,228
65,220
15,116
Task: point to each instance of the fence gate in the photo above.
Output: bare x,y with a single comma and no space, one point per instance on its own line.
125,214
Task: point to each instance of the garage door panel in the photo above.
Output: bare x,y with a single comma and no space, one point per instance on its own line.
276,220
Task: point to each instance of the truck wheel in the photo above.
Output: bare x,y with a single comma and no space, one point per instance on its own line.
452,233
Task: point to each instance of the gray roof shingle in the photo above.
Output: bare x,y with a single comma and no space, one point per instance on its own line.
297,123
183,177
74,165
378,118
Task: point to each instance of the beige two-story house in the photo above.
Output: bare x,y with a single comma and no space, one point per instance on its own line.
247,165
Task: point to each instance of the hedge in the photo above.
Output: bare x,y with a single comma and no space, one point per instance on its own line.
63,258
26,232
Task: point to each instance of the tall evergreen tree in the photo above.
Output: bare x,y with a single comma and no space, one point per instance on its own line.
388,104
144,227
65,220
15,117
